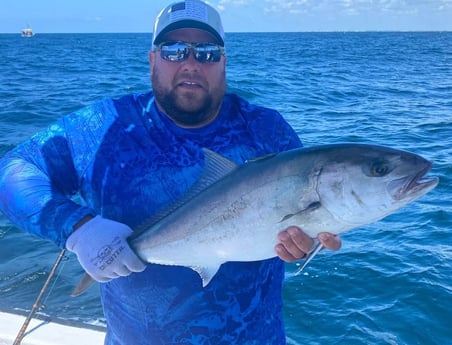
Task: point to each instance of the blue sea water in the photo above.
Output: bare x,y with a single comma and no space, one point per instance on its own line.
391,281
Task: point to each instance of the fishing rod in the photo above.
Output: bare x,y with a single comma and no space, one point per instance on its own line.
37,303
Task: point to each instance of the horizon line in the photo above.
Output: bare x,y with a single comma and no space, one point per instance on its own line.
232,32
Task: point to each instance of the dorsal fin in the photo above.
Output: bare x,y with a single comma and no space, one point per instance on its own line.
215,168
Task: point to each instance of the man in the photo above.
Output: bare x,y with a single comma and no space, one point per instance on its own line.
126,159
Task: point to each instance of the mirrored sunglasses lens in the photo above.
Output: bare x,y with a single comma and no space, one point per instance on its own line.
174,51
207,53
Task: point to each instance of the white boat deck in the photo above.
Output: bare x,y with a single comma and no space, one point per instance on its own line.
43,332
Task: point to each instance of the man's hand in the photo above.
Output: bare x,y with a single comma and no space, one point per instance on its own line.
102,249
295,244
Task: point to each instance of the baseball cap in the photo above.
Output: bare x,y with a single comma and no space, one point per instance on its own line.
188,14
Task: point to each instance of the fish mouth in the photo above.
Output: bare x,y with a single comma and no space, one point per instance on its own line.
414,186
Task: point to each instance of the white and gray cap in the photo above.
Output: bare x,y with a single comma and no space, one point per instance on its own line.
188,14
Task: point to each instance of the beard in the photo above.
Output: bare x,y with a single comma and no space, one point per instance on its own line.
185,107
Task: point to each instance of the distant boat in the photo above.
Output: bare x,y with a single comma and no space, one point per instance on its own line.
27,32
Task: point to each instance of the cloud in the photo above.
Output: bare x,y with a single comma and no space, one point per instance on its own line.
298,6
350,7
330,15
445,5
224,4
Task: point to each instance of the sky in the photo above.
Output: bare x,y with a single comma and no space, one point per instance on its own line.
83,16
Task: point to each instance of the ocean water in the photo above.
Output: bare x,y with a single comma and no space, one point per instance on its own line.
391,281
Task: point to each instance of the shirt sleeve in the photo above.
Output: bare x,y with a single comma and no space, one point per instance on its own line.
40,178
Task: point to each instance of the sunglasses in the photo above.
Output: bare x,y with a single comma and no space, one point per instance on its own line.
180,51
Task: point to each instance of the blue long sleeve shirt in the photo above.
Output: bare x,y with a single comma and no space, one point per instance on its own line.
125,160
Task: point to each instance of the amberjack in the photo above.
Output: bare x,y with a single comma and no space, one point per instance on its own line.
235,212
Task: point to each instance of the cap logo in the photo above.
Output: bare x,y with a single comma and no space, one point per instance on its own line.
188,9
177,7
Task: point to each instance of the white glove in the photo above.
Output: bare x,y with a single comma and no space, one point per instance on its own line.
102,249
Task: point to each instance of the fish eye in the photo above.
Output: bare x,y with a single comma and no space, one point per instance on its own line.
379,169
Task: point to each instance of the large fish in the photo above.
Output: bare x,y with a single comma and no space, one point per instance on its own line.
234,213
